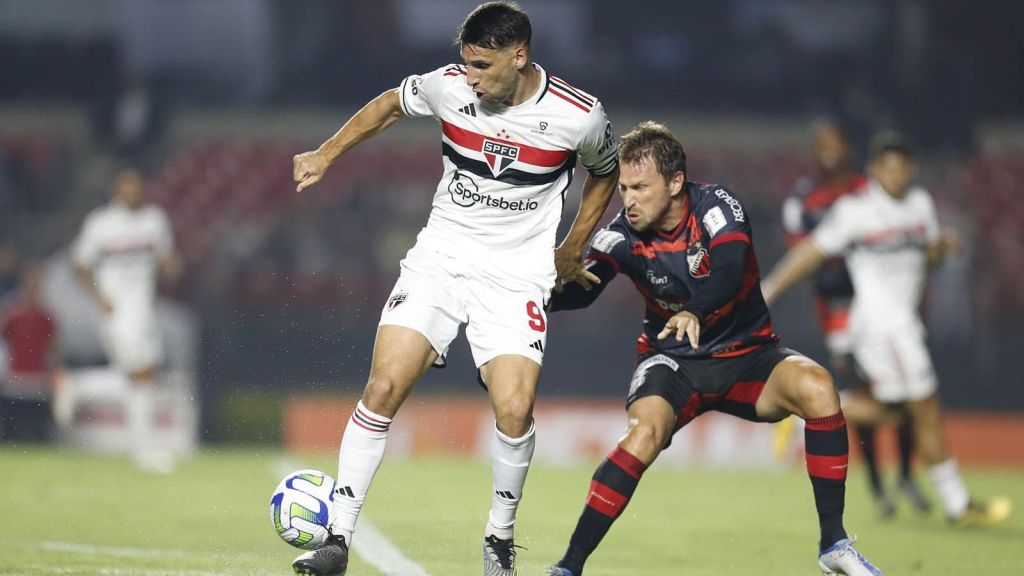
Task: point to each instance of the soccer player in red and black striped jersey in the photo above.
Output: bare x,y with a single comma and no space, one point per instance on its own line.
707,342
810,202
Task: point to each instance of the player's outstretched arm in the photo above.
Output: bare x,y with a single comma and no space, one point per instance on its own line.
801,261
597,193
378,114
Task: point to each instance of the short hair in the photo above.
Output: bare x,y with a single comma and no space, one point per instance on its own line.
888,141
830,123
495,25
655,142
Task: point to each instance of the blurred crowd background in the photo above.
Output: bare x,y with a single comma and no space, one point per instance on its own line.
282,292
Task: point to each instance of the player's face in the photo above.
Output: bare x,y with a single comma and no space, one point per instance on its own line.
831,153
129,190
493,74
646,196
894,171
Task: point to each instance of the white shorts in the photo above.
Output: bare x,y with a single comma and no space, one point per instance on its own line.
897,365
131,338
436,293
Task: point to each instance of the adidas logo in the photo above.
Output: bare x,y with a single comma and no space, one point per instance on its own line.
538,346
469,109
345,491
505,494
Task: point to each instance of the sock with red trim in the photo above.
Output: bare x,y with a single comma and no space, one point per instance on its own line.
362,449
828,455
610,490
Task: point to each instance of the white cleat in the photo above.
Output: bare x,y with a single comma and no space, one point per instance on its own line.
843,558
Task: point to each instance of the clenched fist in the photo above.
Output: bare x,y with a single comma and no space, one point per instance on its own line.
309,168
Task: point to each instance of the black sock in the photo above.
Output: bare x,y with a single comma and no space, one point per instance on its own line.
610,490
906,443
828,455
866,436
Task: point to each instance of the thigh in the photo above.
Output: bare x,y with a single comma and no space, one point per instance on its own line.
744,379
400,356
425,299
919,372
132,340
789,387
897,366
512,385
662,376
505,318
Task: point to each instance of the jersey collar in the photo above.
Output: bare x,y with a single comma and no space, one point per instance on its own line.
683,220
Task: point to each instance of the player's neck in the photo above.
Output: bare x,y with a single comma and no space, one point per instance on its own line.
674,216
529,83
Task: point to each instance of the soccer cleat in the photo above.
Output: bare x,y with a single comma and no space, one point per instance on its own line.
328,559
912,492
843,558
499,557
560,571
985,513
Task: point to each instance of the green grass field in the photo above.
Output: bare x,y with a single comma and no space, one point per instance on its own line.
73,514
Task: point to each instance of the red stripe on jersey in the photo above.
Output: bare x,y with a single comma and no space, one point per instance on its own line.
456,73
568,99
527,154
730,237
570,88
651,250
605,500
605,258
831,467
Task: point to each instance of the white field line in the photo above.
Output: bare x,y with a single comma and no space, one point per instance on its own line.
118,552
371,544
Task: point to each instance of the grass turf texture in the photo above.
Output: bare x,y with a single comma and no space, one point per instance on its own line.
73,514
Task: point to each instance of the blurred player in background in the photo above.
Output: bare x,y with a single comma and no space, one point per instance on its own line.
121,250
810,202
511,134
30,335
889,235
707,342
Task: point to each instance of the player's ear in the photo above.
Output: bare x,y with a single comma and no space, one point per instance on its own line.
520,57
676,184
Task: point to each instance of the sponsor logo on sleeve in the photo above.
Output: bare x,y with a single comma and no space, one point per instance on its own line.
734,205
714,220
605,240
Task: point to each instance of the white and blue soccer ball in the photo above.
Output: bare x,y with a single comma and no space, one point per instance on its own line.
301,508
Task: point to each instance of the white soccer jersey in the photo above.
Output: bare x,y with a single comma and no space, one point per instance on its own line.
885,241
123,248
507,168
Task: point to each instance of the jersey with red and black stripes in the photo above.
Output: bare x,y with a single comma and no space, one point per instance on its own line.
705,266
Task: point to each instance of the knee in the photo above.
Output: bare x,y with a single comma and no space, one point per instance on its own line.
514,415
817,393
383,395
645,438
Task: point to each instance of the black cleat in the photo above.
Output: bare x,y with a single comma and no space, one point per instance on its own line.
329,559
499,557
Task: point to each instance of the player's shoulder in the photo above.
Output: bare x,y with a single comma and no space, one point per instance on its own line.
707,195
570,99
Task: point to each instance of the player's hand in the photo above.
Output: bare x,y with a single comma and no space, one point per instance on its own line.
951,243
569,268
683,324
309,168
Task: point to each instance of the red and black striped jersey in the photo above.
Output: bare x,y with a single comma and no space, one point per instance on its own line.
705,266
507,168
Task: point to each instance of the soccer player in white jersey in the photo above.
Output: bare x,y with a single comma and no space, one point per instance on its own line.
511,135
889,234
117,257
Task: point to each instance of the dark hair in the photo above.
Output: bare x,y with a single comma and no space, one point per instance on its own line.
829,123
655,142
495,25
890,141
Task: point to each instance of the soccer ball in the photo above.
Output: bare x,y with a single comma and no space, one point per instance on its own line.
300,508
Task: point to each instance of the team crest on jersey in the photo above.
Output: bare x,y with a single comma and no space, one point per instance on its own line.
499,155
396,299
698,262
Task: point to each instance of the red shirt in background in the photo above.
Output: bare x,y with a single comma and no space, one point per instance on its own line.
29,333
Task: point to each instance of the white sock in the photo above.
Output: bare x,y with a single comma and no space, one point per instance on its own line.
946,478
140,419
510,461
362,449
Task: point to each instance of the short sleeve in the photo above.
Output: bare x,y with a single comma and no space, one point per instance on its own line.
836,231
598,148
420,94
724,219
165,236
610,244
85,251
931,221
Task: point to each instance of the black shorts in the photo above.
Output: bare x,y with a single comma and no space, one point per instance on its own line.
695,386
